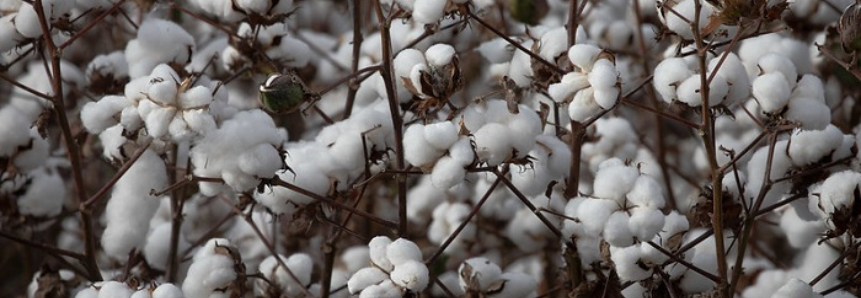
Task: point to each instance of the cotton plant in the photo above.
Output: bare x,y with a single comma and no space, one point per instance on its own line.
500,134
262,11
481,277
123,290
592,87
242,151
433,76
441,150
213,271
676,81
289,281
396,269
272,41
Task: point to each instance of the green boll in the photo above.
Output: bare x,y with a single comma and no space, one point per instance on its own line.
283,94
528,11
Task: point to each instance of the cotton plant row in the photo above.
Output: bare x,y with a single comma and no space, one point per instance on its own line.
181,95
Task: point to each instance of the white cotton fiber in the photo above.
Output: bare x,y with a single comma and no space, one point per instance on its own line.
583,56
564,90
481,270
131,206
462,151
593,213
617,232
774,63
167,290
378,247
583,107
441,135
14,130
795,288
603,75
645,223
439,55
364,278
447,172
613,182
811,113
418,151
626,260
771,91
646,193
809,146
492,143
402,250
412,275
44,196
428,11
668,74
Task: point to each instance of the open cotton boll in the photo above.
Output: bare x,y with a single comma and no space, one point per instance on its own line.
837,190
571,83
668,75
447,172
493,143
479,271
221,9
440,54
686,8
167,290
810,86
795,288
809,146
606,98
131,206
30,158
378,249
402,250
403,65
44,196
583,56
553,43
115,289
593,213
284,201
646,193
211,270
523,127
735,74
772,62
495,51
7,29
645,223
98,116
516,285
412,275
771,91
301,267
428,11
520,67
811,113
461,151
365,278
603,75
14,130
613,182
617,232
157,248
689,91
583,107
418,151
441,135
386,289
800,233
626,261
158,41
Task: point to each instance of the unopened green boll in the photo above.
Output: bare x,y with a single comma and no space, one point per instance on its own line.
283,93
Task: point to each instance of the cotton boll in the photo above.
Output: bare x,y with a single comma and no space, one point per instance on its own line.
810,86
378,249
412,275
558,156
261,161
428,11
613,182
479,272
301,267
447,172
583,56
384,290
809,146
516,285
365,278
131,205
492,143
606,98
523,128
44,196
593,213
686,8
571,83
115,289
402,250
404,63
520,67
583,106
646,193
34,156
810,113
617,232
441,135
626,261
439,55
837,191
98,116
668,75
553,43
689,91
495,51
645,223
603,75
800,233
156,250
771,91
770,63
462,152
795,288
14,130
732,70
418,151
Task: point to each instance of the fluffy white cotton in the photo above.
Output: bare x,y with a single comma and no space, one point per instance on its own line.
593,213
795,288
447,173
45,194
158,41
733,72
441,135
617,232
131,206
300,265
412,275
837,192
774,63
7,29
614,180
668,75
211,270
686,9
402,251
571,83
428,11
418,151
647,193
364,278
14,130
493,143
379,252
809,146
645,223
583,56
626,260
811,113
771,91
603,75
440,54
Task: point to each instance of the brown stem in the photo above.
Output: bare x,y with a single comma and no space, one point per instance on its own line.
354,64
72,147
